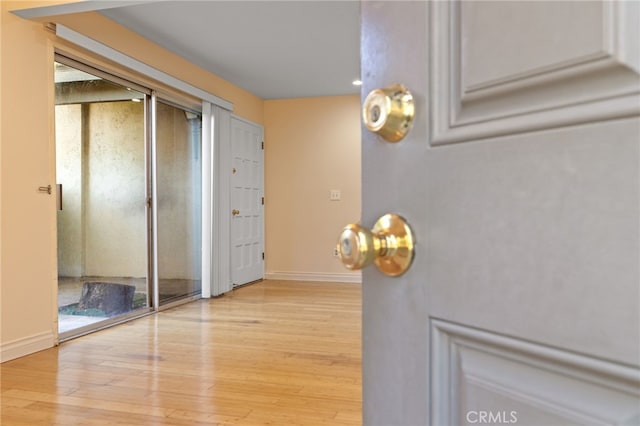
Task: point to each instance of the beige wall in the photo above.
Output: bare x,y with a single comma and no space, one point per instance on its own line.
27,221
109,202
312,145
70,220
115,237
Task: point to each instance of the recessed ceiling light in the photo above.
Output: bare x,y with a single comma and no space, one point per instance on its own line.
357,82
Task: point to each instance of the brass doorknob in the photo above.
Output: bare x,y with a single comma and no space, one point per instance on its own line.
389,244
389,112
235,212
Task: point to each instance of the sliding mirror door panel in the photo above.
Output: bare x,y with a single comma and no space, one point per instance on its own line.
178,202
102,226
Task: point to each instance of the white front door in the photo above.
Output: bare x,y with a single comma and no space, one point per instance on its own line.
247,191
521,180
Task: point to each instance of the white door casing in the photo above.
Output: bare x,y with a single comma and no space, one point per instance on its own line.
521,181
247,191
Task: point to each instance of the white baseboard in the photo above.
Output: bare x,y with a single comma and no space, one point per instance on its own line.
26,346
345,277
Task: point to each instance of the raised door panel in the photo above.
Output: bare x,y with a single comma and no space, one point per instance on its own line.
581,64
483,377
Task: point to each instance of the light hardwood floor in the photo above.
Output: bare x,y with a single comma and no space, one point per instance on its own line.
276,352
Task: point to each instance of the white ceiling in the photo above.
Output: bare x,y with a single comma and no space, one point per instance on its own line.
274,49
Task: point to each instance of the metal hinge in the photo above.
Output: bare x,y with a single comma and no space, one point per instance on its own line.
262,255
262,144
263,201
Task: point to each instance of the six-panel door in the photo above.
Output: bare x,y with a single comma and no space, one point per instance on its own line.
520,179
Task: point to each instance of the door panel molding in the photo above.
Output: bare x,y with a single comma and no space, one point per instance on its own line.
477,371
600,82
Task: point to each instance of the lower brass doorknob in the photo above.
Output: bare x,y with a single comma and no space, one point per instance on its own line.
235,212
389,244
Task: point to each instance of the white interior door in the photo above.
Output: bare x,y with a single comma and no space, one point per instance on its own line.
247,191
521,180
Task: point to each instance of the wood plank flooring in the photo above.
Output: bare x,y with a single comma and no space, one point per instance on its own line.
273,353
